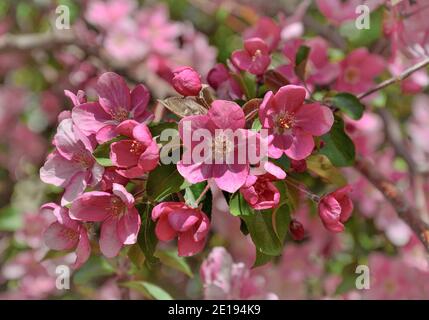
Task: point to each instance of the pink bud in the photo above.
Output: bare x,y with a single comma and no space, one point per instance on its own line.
296,230
335,209
298,165
186,81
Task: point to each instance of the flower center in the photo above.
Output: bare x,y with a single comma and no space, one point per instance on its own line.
136,147
117,207
351,75
121,114
84,159
222,145
70,234
256,55
284,122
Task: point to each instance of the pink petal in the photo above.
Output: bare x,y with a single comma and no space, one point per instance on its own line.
183,219
91,206
302,146
164,208
230,178
241,59
58,171
149,158
106,133
289,98
259,65
142,134
187,246
120,191
126,128
253,44
315,119
195,172
83,249
57,237
276,171
163,230
110,244
203,229
90,117
226,115
113,92
129,226
140,97
263,109
74,188
121,155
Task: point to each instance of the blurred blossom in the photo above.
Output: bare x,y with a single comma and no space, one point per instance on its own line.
226,280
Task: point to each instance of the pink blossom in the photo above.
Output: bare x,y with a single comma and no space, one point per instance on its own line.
120,219
292,124
259,190
319,70
67,234
190,225
116,104
222,115
157,31
358,71
254,58
225,280
225,85
71,165
111,176
136,156
123,44
335,209
339,11
265,29
186,81
107,14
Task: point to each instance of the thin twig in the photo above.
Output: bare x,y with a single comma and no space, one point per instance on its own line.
396,79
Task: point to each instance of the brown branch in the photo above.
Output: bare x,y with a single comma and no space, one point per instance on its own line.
396,198
412,215
396,79
46,41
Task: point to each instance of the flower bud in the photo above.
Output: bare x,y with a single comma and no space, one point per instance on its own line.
186,81
296,230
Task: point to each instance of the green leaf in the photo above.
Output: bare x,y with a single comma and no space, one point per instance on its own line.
261,229
157,128
105,162
301,59
149,290
338,147
349,104
147,239
364,37
136,255
193,192
262,258
256,125
171,259
94,268
238,206
10,219
103,150
163,181
322,167
281,220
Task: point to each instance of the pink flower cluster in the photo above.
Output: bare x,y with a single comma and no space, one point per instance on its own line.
93,193
147,37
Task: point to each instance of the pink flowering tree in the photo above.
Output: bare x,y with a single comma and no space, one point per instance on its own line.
251,156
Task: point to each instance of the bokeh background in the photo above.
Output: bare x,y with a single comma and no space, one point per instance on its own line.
144,41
